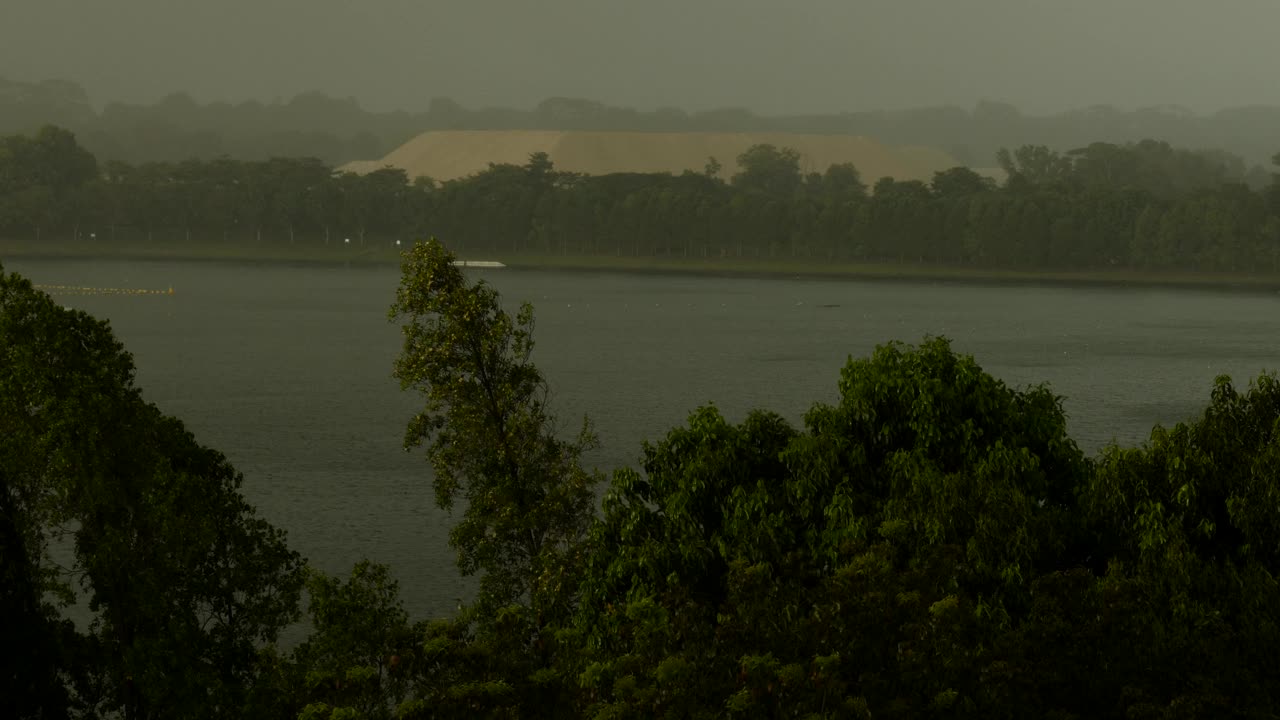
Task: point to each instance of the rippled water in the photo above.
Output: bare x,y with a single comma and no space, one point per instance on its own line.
286,369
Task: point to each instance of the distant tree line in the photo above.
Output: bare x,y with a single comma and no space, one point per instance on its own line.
338,130
932,544
1143,205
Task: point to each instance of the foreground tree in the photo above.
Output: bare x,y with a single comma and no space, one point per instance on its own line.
853,569
1189,524
45,371
188,583
489,434
493,444
490,437
185,584
362,657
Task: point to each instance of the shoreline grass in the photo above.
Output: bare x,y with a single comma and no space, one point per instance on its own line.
384,254
818,269
196,251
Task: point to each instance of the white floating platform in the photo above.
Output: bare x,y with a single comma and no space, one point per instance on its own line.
478,263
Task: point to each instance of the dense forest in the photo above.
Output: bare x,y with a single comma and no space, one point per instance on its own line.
1142,205
931,545
338,130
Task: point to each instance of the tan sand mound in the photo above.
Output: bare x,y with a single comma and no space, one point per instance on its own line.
446,155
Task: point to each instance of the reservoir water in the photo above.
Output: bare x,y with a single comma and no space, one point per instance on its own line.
287,370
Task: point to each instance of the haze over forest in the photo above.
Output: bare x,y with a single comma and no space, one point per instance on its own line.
146,80
804,57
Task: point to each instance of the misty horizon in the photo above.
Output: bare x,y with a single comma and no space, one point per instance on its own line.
99,104
816,57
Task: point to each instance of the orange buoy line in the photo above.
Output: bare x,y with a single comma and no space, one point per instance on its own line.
79,290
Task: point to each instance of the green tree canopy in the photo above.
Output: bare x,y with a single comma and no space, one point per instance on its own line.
769,170
186,585
842,567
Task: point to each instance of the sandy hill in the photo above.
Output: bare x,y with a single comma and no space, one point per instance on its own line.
445,155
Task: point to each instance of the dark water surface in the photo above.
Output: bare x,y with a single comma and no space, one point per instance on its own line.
287,370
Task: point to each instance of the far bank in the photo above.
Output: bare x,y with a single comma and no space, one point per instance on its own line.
386,254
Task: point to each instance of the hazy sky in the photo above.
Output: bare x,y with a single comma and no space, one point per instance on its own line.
771,56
